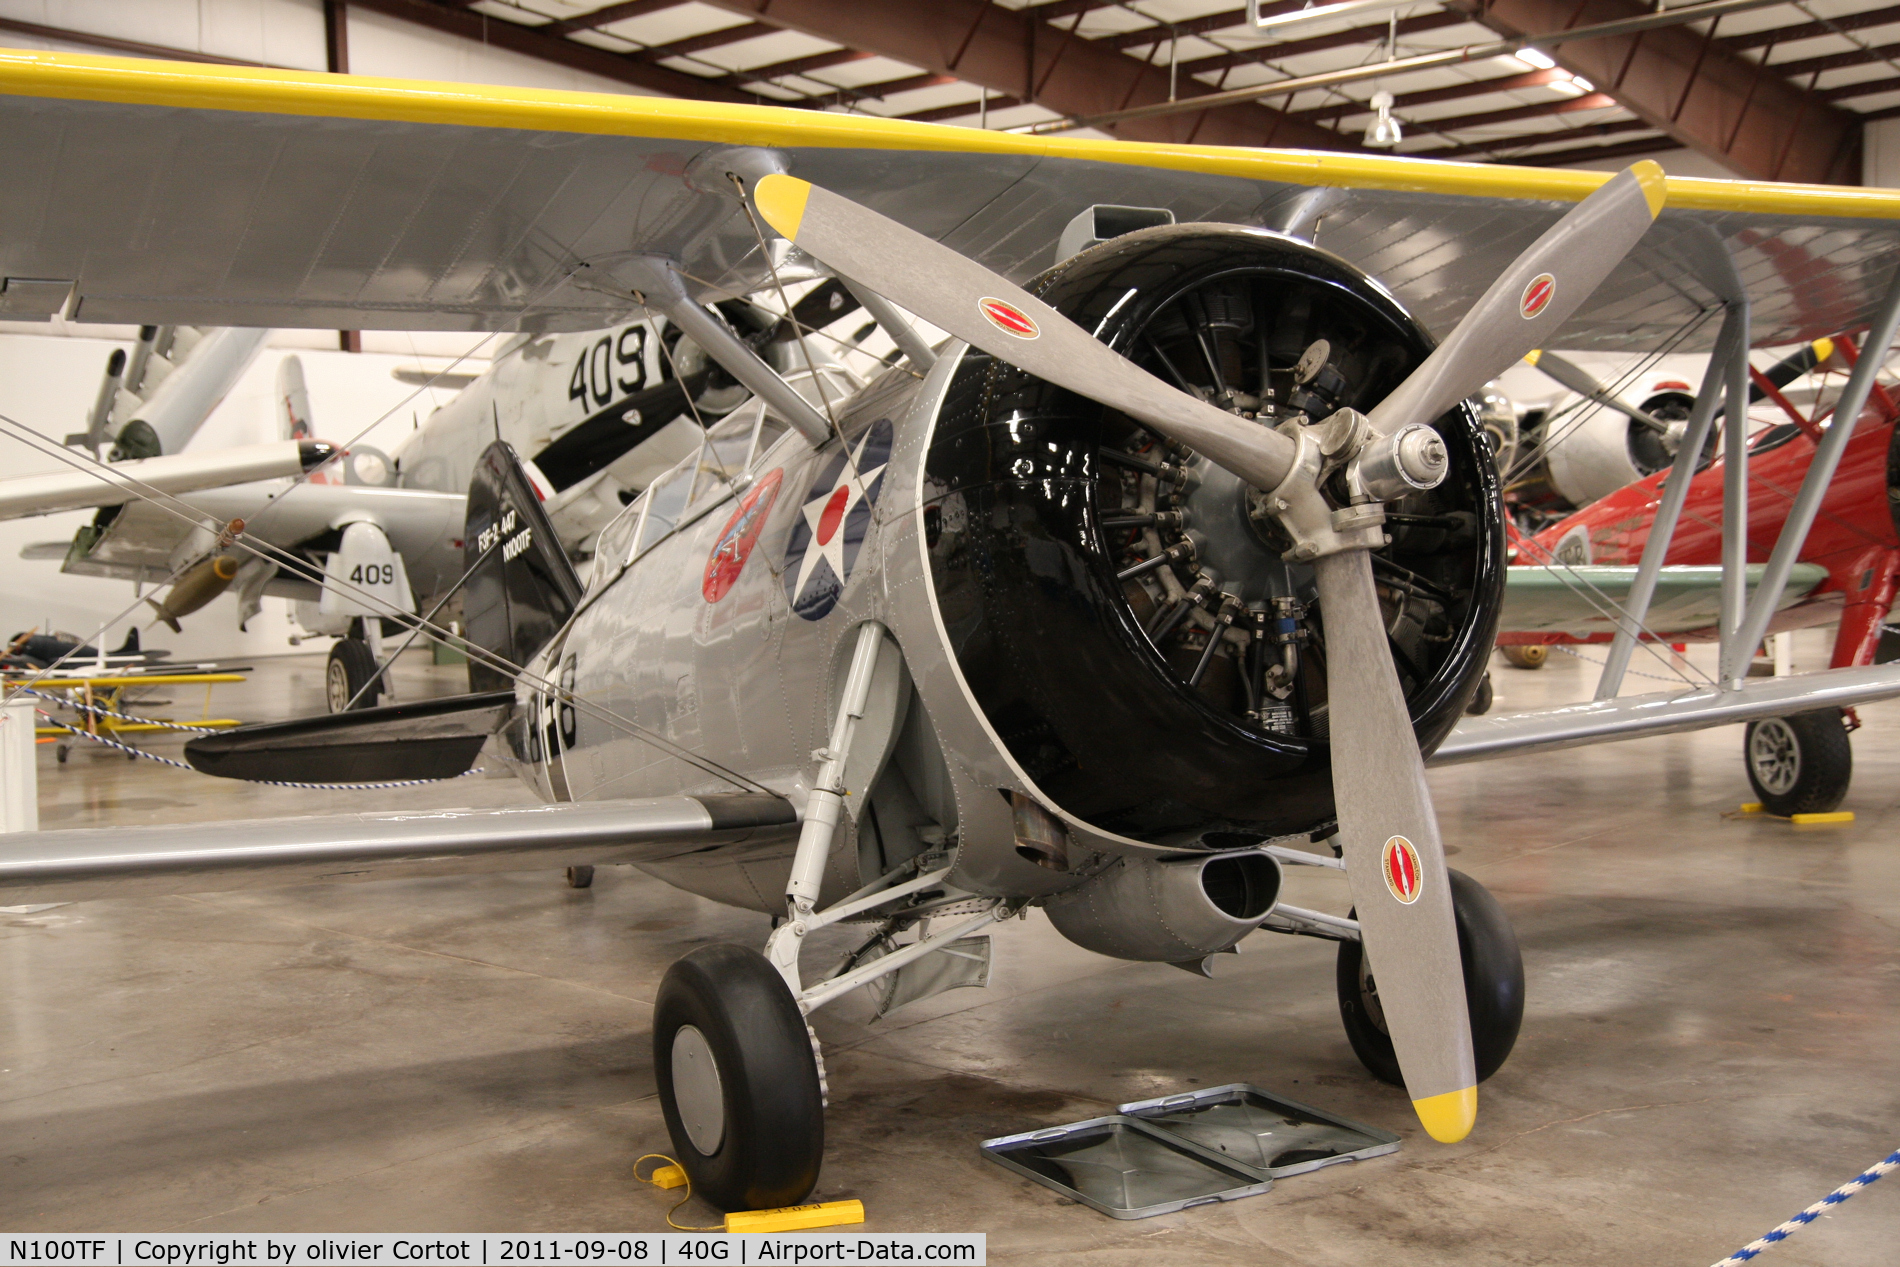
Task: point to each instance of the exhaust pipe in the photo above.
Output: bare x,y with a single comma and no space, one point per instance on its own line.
1169,910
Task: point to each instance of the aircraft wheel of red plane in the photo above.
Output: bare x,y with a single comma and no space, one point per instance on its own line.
350,665
1494,987
580,877
1800,764
738,1080
1529,656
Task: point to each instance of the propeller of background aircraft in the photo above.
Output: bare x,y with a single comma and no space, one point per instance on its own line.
1395,861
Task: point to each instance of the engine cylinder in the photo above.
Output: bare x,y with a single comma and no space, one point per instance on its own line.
1169,910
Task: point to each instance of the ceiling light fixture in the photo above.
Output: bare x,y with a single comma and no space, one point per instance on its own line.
1536,57
1316,12
1383,132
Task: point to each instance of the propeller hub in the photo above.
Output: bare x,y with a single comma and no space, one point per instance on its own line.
1410,460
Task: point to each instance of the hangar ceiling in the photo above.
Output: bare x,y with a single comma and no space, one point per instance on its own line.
1777,91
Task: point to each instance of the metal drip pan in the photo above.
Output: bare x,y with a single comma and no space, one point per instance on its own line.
1125,1167
1264,1134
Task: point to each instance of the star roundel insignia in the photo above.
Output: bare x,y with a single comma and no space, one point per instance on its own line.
1008,318
1537,295
1398,863
832,523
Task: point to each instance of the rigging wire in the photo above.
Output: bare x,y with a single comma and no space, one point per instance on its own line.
306,571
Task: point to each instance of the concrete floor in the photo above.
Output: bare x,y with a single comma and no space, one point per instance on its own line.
1709,1043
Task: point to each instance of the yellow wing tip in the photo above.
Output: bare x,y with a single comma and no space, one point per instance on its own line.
781,200
1448,1118
1655,185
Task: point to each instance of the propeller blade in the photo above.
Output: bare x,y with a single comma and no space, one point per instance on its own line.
1574,377
1535,295
1394,860
959,295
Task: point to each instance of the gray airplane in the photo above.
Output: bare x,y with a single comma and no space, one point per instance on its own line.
1133,592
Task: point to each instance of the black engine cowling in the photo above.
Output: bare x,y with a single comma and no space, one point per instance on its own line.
1039,502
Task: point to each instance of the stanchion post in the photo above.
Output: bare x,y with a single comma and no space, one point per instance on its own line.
19,768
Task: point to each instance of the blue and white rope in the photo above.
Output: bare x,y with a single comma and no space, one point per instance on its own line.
101,710
1814,1211
130,751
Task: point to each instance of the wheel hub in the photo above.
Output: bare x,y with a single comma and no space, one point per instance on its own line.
337,678
698,1093
1775,756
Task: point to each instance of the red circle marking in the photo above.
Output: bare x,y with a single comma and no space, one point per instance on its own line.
1401,869
1009,318
1537,295
833,516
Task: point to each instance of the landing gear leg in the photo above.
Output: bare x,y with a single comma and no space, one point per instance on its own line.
1494,987
1800,764
737,1065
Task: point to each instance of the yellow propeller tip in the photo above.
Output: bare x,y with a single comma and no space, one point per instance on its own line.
1649,174
1448,1118
1530,357
781,200
1823,348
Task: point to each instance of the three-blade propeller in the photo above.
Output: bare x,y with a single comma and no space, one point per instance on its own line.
1394,859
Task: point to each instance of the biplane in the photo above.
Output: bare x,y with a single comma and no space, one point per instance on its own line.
1166,570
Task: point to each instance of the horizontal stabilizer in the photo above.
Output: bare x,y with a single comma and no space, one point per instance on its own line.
66,866
429,739
1639,716
121,482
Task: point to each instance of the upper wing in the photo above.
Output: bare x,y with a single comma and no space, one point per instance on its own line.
1583,600
162,192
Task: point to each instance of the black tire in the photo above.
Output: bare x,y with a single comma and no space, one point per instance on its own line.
1494,987
1481,698
350,665
580,877
1800,764
770,1140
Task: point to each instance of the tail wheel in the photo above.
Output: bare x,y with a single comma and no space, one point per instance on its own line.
1531,656
1494,987
580,877
1800,764
738,1080
351,665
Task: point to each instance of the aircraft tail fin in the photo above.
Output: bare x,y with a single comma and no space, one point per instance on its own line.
521,588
